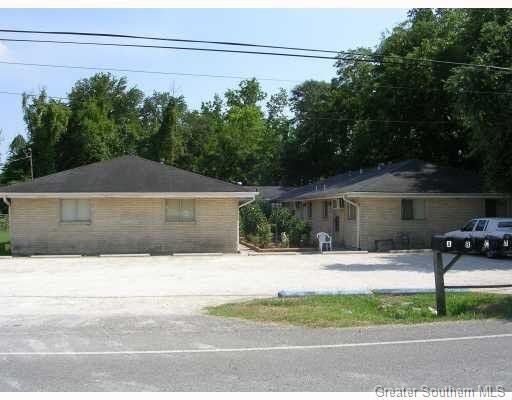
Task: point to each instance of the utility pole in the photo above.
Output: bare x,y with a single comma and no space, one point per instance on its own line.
31,164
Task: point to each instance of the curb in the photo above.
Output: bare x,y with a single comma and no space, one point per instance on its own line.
360,291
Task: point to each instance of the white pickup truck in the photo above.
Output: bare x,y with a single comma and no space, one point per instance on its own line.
482,228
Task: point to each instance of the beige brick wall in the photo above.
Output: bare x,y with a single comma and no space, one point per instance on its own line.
125,225
381,219
318,222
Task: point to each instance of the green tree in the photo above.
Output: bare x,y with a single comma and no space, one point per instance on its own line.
168,143
46,121
104,121
151,115
317,143
482,98
17,166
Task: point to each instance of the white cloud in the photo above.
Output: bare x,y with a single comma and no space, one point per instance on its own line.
4,52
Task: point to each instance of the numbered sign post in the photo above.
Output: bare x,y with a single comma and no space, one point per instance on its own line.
459,246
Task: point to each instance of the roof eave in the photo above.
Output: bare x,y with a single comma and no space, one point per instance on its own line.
488,195
165,195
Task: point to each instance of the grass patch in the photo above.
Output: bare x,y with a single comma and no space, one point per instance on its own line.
361,310
4,236
5,245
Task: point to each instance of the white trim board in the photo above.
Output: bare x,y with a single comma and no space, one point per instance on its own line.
406,196
164,195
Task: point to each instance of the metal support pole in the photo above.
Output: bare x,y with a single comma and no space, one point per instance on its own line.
31,164
439,279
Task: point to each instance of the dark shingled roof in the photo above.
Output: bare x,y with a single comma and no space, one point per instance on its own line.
270,192
128,174
411,176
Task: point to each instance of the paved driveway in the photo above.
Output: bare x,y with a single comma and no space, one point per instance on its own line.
185,284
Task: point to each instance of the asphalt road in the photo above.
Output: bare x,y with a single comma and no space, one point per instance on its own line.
200,353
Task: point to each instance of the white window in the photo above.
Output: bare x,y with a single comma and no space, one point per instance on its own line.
76,210
351,212
180,210
413,209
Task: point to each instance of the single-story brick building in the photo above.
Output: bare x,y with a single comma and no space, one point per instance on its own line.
125,205
399,205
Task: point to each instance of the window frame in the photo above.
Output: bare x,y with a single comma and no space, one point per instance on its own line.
310,209
75,220
414,203
325,209
351,212
471,221
491,208
180,218
484,227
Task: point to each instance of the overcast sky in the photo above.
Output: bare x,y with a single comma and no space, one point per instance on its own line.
326,29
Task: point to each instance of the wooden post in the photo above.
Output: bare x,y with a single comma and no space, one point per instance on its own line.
439,279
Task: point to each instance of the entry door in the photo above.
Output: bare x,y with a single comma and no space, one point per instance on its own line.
336,228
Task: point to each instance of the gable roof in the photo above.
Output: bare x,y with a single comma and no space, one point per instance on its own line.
411,176
128,174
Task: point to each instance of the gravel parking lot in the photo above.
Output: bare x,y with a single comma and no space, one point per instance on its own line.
185,284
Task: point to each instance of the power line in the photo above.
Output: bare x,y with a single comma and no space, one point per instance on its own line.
125,36
30,95
294,118
461,91
375,88
229,76
386,121
374,120
148,46
375,57
141,71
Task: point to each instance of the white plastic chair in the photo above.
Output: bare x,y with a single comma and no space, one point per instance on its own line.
324,238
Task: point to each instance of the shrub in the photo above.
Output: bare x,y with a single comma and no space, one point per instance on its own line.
282,220
250,217
258,229
263,234
300,233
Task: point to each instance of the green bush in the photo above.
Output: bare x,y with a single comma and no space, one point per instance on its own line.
257,228
250,217
297,231
300,233
263,234
282,220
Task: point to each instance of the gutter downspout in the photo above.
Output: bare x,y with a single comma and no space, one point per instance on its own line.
247,202
358,220
8,204
238,221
